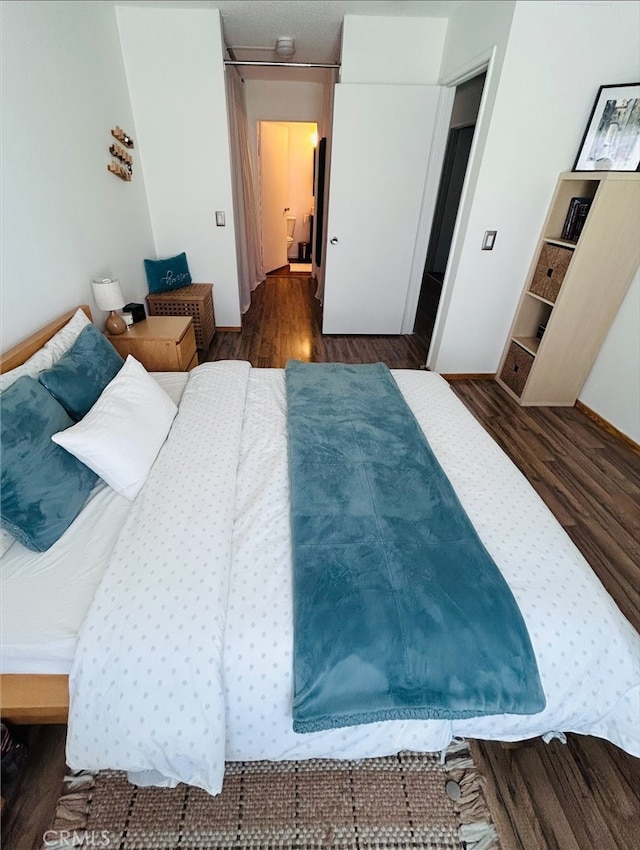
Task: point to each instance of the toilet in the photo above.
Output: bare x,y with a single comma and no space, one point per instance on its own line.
291,226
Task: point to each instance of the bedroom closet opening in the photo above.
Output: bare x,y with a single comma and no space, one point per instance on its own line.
466,105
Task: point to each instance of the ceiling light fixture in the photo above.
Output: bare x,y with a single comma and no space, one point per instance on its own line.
285,47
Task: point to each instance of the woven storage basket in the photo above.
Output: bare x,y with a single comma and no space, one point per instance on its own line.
550,271
195,300
517,366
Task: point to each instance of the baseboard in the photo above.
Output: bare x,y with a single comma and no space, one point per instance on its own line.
470,376
233,330
607,426
595,417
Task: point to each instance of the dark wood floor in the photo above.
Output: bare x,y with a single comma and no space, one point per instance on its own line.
284,322
584,795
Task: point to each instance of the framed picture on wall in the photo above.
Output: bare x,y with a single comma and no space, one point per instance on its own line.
611,141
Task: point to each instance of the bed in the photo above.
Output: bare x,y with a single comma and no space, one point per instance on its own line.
168,618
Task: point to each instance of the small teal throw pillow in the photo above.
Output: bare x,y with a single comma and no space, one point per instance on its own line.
78,378
43,486
167,275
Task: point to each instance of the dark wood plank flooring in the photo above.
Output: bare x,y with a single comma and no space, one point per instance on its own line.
584,795
284,322
32,796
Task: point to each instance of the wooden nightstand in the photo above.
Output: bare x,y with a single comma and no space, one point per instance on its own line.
160,343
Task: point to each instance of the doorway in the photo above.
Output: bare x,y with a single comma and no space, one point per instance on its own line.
286,156
466,105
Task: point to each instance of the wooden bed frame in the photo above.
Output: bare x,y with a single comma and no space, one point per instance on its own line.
31,698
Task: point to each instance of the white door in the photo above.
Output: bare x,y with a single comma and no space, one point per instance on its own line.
380,151
274,191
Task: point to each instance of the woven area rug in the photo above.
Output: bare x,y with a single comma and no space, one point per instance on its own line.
402,802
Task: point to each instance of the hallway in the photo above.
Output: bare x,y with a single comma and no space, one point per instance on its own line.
285,320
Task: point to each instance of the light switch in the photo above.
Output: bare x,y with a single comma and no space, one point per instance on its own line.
489,240
219,218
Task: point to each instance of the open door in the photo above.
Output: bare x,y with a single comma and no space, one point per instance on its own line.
466,105
380,152
274,188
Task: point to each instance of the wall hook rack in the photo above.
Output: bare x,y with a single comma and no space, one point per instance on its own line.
120,171
124,139
120,154
123,166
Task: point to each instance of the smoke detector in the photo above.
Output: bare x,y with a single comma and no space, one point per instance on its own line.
285,47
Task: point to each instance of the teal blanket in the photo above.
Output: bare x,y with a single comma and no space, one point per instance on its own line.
399,610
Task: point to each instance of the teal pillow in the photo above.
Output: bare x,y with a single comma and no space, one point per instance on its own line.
167,275
78,378
43,486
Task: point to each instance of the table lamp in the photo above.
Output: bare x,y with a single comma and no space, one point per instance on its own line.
108,297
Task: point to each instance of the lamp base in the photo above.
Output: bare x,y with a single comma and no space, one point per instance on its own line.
115,324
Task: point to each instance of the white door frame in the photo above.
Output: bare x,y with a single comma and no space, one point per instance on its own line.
429,197
432,182
483,63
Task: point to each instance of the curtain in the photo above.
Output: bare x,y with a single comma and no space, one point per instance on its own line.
247,221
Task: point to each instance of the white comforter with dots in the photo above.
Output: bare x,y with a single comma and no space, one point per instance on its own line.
147,685
185,659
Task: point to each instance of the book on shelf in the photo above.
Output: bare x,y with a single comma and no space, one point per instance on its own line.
581,217
575,219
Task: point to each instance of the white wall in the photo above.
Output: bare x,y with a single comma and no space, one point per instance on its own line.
301,154
174,65
283,101
475,28
65,219
540,111
267,100
391,50
613,386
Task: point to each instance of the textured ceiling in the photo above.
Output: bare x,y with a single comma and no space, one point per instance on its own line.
251,27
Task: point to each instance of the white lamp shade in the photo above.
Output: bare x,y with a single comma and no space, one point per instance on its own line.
107,294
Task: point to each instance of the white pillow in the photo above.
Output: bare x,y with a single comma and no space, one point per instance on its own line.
120,437
52,351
